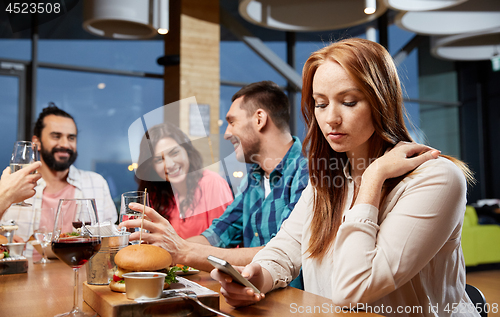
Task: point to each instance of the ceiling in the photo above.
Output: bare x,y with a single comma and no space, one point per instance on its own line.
69,26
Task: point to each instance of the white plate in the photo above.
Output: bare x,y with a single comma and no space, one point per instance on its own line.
190,271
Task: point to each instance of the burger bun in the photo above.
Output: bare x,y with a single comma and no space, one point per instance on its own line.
142,258
139,258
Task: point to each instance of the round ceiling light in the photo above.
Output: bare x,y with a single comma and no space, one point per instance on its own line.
422,5
311,15
470,16
467,47
126,19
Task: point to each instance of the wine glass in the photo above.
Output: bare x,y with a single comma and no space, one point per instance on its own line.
44,237
76,238
43,234
128,214
24,153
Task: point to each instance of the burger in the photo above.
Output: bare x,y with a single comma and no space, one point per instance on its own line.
142,258
4,251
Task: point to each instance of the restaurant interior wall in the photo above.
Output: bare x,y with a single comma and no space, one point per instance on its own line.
88,77
440,122
480,125
238,64
433,97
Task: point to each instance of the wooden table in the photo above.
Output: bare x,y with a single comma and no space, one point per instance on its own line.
47,290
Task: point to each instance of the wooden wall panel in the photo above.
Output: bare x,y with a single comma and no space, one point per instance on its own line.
199,70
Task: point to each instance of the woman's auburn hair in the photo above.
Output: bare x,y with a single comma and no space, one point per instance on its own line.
161,194
373,70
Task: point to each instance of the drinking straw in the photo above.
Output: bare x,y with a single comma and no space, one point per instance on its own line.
211,149
143,211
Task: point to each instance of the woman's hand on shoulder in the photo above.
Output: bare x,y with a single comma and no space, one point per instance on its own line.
401,159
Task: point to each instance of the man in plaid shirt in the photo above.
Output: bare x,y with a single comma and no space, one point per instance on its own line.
55,133
259,130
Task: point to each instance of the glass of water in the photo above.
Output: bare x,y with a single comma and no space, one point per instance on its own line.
44,237
24,153
43,234
128,214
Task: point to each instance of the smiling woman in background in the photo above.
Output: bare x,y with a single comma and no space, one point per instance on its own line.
379,223
180,190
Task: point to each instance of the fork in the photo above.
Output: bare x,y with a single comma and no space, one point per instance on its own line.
192,296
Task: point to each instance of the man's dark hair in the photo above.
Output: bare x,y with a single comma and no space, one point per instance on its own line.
51,109
268,96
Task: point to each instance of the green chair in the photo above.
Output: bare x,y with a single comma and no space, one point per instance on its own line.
480,243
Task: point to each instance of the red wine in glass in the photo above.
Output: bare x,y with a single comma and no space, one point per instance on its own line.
75,240
75,252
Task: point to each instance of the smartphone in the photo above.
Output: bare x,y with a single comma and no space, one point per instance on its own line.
227,268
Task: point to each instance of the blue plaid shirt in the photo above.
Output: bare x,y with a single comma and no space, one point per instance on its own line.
253,219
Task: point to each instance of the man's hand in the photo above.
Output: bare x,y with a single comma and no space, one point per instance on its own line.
18,186
161,233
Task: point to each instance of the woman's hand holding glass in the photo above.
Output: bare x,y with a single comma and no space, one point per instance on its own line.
160,231
238,295
126,213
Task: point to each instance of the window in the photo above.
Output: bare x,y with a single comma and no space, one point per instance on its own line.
103,116
19,49
108,54
9,95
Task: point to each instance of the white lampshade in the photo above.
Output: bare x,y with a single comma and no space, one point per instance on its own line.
469,16
311,15
126,19
468,46
422,5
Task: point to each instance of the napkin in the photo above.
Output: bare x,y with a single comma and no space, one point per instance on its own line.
107,229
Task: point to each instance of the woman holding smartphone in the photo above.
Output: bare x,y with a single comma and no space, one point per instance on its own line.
379,223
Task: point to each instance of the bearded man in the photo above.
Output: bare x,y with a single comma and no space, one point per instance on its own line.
55,134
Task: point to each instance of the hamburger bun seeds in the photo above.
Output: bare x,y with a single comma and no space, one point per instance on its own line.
143,257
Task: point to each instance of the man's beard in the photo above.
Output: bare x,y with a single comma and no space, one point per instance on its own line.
252,146
53,164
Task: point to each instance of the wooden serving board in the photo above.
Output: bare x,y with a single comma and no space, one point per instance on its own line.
13,265
112,304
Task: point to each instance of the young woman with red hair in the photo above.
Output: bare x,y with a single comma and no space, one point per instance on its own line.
379,223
